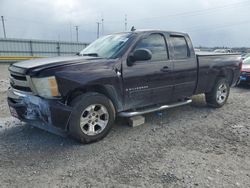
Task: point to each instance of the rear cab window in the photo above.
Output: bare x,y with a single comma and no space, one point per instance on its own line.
180,47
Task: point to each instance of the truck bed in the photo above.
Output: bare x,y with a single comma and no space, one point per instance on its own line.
211,64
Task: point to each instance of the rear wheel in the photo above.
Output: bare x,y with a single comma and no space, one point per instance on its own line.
92,117
219,94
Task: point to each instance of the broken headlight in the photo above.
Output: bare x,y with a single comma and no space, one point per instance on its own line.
46,87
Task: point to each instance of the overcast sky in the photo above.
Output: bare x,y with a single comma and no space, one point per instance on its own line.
209,22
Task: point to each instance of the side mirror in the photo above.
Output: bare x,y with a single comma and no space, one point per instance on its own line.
78,53
141,54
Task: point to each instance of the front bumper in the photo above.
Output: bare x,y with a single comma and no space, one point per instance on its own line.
47,114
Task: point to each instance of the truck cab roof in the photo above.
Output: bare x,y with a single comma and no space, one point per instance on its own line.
141,31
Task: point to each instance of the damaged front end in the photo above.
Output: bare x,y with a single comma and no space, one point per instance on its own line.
48,114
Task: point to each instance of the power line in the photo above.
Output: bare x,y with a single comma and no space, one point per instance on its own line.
191,13
183,14
188,13
4,32
216,27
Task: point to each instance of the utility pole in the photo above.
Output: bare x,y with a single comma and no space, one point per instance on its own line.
126,23
76,33
98,29
4,33
70,30
102,26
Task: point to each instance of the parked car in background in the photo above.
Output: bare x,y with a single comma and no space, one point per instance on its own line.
223,51
245,71
245,55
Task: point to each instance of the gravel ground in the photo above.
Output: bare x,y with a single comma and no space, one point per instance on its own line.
190,146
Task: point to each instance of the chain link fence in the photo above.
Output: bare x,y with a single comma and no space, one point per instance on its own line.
27,49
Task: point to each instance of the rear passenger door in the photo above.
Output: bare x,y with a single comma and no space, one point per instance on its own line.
185,67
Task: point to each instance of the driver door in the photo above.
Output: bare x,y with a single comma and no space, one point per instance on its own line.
149,82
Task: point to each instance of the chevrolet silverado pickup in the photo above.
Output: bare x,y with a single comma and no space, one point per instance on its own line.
124,74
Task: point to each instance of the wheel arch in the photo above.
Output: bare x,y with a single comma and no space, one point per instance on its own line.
228,74
107,90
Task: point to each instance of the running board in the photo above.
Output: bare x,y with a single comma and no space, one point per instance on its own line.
136,113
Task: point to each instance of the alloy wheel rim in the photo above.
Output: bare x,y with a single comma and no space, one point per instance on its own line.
94,119
221,93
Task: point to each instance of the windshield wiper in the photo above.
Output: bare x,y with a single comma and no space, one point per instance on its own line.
90,54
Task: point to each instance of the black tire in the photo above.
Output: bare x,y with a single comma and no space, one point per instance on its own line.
211,97
80,104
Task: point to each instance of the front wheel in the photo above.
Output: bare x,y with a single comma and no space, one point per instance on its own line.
92,117
219,94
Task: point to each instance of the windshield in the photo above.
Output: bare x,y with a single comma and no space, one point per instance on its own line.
107,46
246,61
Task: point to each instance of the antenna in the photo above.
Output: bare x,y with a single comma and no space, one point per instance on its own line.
133,28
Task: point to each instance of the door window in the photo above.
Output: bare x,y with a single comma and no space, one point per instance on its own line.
156,44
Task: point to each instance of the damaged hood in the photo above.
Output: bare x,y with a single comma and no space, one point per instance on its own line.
33,63
44,63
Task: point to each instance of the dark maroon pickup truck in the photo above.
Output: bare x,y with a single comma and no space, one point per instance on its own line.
124,74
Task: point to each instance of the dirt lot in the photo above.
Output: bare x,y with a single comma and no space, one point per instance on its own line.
191,146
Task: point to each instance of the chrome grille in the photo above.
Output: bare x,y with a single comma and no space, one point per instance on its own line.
20,82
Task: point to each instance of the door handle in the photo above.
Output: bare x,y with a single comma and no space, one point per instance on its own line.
165,69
